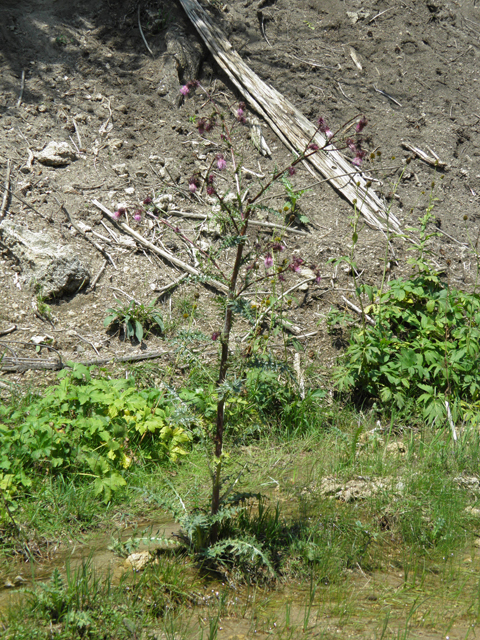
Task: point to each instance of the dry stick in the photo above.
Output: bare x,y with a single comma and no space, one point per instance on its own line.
76,131
7,189
141,33
380,14
97,277
11,329
104,253
354,307
434,162
127,295
22,87
29,206
164,254
88,342
173,284
450,422
290,125
258,223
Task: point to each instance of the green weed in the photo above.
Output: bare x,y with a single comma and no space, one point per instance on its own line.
134,319
89,427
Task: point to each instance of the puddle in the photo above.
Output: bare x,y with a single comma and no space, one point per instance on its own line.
403,603
102,560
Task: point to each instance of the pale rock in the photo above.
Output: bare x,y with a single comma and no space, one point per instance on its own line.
52,269
138,561
57,154
120,169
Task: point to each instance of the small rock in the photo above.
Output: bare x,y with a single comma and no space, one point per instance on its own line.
57,154
18,581
8,584
69,189
51,268
395,448
120,169
138,561
115,144
130,191
46,339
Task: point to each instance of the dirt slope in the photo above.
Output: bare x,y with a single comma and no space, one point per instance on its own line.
410,67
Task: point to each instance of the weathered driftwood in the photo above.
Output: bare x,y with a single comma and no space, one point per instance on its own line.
290,125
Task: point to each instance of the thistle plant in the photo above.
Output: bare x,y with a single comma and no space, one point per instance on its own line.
254,261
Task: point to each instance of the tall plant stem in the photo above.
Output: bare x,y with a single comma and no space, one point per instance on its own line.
225,340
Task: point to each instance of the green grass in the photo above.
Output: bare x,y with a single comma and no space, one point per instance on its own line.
404,544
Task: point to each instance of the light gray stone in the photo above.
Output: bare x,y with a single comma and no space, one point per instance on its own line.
57,154
52,269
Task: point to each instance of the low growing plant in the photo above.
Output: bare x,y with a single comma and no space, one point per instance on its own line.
90,427
135,319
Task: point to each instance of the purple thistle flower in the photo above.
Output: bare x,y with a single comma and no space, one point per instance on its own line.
192,187
215,335
119,213
323,127
277,246
137,215
268,261
210,178
292,171
350,142
296,264
359,156
209,125
281,277
240,113
184,90
210,190
361,124
147,201
221,162
313,146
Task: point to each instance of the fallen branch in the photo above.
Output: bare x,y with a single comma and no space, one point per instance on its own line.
290,125
432,161
354,307
164,254
97,277
22,87
7,189
106,255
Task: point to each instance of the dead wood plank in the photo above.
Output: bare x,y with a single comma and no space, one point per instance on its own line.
290,125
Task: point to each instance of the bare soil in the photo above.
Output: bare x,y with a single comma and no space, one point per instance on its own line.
410,67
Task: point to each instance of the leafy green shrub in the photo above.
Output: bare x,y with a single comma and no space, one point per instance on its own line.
92,427
423,348
134,319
